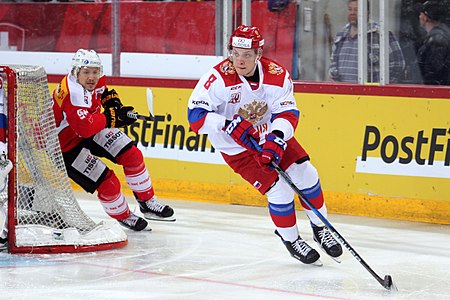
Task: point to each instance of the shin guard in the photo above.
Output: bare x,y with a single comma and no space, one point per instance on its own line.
112,200
136,174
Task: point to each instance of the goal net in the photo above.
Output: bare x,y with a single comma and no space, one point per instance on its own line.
43,213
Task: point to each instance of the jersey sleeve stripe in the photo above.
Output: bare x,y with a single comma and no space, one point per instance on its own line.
196,118
291,115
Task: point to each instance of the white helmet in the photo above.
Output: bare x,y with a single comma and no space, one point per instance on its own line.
86,58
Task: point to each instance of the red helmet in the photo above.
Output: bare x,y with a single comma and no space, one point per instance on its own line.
246,37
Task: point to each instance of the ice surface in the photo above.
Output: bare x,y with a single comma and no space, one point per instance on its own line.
218,251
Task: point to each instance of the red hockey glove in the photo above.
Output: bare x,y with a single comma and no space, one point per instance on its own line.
242,131
272,150
117,117
110,98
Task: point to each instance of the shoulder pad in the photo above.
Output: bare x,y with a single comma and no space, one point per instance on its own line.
61,91
228,72
274,73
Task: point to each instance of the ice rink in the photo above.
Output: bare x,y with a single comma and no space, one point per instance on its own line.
218,251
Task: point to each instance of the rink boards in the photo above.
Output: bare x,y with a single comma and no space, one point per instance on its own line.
380,152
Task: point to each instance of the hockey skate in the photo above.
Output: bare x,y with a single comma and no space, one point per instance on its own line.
135,223
326,241
300,250
3,244
154,210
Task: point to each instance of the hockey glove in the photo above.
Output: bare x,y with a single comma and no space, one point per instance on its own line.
110,98
241,131
272,150
117,117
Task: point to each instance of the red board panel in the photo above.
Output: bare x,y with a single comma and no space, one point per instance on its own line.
145,27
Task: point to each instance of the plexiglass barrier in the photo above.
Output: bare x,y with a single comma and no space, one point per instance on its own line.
316,40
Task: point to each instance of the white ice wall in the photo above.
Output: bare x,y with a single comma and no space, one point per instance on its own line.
151,65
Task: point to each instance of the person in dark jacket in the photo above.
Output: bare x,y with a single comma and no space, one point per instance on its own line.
433,57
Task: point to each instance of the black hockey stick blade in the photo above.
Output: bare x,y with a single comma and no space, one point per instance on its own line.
389,284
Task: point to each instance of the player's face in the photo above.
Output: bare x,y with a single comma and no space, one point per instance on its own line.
352,13
244,60
88,77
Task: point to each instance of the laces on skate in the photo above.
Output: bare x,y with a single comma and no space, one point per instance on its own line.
155,210
327,243
135,223
300,250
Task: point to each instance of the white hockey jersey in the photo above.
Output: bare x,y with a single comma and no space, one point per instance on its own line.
221,94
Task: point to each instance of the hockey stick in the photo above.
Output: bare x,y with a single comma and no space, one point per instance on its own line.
387,282
135,115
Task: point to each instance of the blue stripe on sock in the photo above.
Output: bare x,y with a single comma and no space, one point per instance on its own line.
282,209
313,191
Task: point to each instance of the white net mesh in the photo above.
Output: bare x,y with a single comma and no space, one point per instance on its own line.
44,199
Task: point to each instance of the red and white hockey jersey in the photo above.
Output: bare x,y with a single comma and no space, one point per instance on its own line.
77,111
221,93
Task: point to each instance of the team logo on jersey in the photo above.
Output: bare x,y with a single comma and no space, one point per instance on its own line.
275,69
287,103
257,184
82,113
253,112
227,68
58,91
99,92
200,102
61,92
86,95
235,98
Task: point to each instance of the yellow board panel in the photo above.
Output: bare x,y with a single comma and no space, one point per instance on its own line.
333,129
355,142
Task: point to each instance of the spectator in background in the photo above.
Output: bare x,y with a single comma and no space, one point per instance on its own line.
433,56
344,56
277,5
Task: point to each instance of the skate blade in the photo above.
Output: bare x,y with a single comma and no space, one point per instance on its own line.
147,228
336,259
317,263
153,217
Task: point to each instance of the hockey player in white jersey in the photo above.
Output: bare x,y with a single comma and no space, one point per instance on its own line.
248,96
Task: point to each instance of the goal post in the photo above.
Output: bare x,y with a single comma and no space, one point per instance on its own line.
43,213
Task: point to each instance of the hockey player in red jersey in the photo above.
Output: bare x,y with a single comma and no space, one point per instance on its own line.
88,116
249,96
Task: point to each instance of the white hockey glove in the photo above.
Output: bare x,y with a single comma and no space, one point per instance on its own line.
5,168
